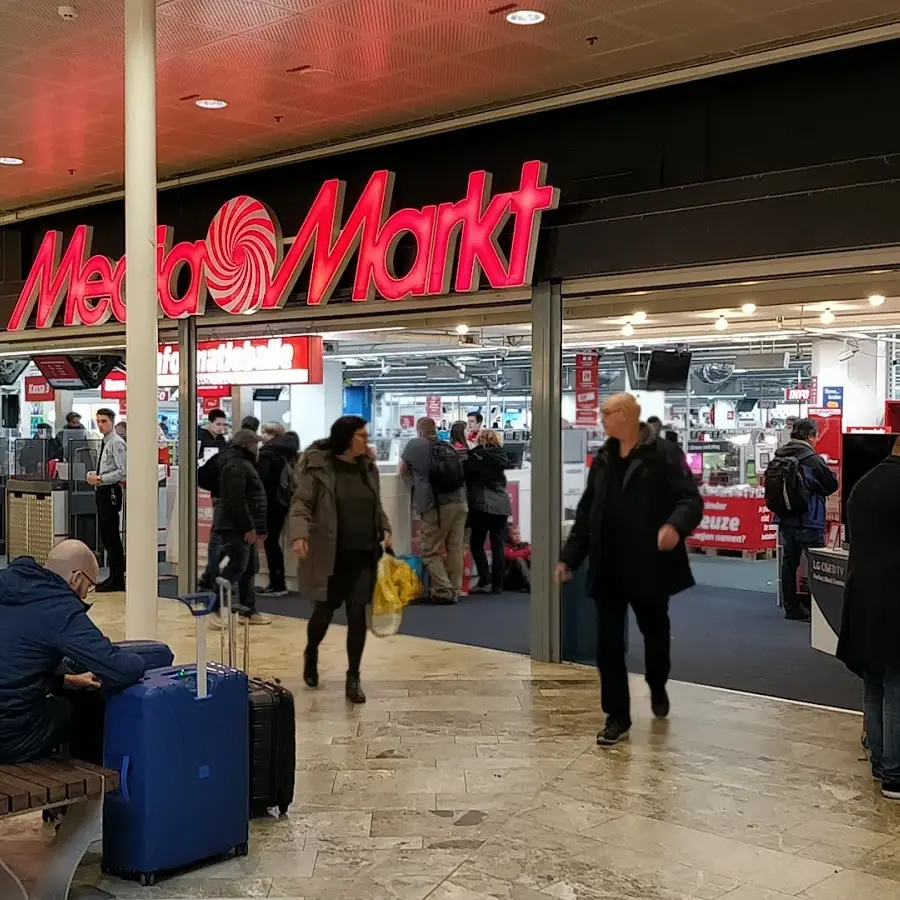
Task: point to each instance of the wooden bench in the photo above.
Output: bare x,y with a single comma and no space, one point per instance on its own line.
46,784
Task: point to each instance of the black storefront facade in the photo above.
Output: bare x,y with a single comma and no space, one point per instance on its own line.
786,171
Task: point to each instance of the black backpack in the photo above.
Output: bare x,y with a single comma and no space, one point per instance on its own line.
287,484
208,475
445,472
786,490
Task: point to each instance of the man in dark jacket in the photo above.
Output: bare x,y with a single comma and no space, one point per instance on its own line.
43,620
212,434
869,642
640,504
806,530
239,517
277,452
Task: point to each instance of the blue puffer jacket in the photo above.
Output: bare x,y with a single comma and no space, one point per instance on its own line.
43,621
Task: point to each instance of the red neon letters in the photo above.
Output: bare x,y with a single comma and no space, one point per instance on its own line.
242,264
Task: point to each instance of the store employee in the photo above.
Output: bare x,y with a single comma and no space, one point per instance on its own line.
108,480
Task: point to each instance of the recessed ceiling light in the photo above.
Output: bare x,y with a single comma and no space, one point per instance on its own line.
748,308
462,328
721,324
639,317
876,300
211,104
627,330
827,317
11,161
525,17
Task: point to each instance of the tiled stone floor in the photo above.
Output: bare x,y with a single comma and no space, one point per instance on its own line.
473,774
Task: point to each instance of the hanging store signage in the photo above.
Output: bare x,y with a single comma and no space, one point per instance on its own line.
587,389
38,390
798,395
709,447
433,408
243,266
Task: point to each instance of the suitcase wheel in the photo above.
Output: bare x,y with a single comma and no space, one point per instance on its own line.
147,879
242,849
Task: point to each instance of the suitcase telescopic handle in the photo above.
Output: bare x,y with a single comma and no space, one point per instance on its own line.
201,603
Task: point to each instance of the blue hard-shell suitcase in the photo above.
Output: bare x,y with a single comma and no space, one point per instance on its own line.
155,654
183,760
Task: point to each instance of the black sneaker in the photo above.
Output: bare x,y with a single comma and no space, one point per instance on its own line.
612,733
311,668
272,592
891,790
354,691
797,615
659,702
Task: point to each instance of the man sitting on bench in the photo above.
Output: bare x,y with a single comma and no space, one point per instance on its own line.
43,620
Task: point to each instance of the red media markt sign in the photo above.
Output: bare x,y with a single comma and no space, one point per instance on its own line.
243,266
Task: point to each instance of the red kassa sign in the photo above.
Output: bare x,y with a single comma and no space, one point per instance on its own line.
38,390
243,266
433,407
587,389
735,523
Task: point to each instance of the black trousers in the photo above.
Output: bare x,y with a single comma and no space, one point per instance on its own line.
44,737
351,585
794,543
276,514
109,506
483,524
652,614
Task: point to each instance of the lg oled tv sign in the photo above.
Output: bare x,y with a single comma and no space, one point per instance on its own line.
243,266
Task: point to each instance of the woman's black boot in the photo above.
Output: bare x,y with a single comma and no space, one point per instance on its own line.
311,667
354,690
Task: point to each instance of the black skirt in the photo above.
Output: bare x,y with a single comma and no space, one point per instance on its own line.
353,581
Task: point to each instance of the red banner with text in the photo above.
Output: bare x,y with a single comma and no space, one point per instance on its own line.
587,389
735,523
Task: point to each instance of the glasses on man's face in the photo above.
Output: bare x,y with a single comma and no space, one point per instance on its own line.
92,585
606,413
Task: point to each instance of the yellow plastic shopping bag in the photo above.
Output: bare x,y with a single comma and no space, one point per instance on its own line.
395,588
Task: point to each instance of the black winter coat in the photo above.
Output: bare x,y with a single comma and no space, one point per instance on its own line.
273,457
870,627
241,505
658,489
484,468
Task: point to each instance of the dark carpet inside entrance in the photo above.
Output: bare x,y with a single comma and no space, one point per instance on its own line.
720,636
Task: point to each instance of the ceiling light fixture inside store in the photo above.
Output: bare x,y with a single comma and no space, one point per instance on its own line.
11,161
876,300
721,324
211,103
462,328
525,17
639,317
748,309
827,317
627,329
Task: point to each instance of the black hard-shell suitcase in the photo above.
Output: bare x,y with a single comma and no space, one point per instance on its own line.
273,749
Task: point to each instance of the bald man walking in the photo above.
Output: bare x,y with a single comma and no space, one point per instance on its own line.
43,620
640,504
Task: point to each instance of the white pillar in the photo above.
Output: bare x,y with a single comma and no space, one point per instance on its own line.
141,335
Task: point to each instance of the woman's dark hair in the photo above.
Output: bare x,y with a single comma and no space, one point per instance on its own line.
293,439
458,433
342,432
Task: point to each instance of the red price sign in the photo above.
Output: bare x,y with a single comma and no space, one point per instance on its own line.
587,389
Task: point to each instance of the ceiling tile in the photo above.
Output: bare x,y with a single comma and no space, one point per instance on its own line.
229,16
374,65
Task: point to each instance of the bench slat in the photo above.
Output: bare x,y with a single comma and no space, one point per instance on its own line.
56,788
38,795
18,796
110,776
83,781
